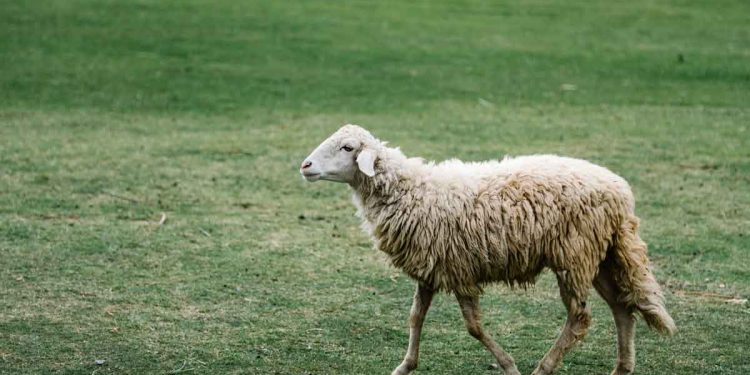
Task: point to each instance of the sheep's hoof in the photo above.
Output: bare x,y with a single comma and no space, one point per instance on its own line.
510,371
404,368
623,370
541,371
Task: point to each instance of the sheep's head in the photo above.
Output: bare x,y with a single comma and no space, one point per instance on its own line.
348,151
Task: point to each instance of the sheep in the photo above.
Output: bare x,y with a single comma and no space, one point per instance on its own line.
456,227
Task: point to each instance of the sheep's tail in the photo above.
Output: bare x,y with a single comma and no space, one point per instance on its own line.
638,286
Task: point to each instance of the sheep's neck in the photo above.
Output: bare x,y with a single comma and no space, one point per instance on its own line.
385,188
379,200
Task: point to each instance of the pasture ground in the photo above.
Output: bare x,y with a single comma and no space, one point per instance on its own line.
114,112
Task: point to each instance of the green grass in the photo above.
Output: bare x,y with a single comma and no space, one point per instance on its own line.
112,112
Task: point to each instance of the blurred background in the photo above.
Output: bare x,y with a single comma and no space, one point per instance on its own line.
152,217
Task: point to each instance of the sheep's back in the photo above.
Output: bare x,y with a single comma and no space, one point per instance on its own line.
556,212
533,212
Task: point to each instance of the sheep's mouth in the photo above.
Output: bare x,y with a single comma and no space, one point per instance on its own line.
311,176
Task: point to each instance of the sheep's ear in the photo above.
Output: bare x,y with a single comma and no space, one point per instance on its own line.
366,162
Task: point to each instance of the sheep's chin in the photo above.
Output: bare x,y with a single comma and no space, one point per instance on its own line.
333,177
311,177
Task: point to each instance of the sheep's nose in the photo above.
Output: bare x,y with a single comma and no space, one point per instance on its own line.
306,164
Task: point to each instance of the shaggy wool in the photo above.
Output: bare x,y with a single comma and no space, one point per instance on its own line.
457,226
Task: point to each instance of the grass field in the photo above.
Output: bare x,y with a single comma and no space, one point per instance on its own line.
114,112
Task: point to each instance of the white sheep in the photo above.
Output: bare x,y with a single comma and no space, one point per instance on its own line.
456,226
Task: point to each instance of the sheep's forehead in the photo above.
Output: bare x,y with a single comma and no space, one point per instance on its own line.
348,132
354,131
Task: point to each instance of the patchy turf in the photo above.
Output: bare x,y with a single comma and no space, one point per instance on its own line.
112,113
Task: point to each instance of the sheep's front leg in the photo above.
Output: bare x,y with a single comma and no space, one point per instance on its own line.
422,300
471,312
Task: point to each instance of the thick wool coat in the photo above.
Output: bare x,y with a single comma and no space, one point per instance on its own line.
457,226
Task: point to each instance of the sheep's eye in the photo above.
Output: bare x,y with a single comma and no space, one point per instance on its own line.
347,148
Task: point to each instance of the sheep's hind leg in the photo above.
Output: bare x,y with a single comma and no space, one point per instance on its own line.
575,329
422,300
471,313
624,321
